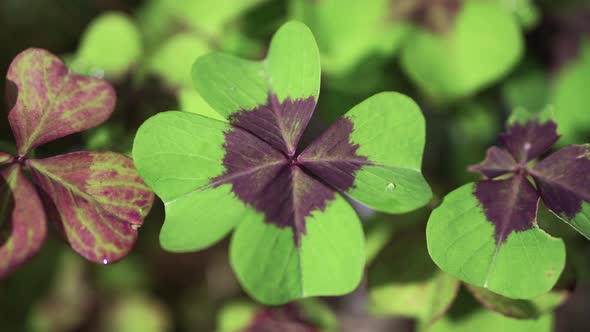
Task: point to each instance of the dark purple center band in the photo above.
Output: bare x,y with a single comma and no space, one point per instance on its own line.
265,171
562,180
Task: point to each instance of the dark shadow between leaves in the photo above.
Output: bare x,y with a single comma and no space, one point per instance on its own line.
52,212
404,260
506,306
6,209
464,306
11,94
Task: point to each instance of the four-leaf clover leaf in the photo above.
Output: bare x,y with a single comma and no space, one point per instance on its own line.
296,236
96,199
486,233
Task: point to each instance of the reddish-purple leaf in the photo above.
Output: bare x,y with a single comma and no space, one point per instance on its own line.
563,179
510,204
498,162
49,102
529,141
22,220
5,158
98,200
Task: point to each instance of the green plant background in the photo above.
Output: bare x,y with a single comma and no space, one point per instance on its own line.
531,55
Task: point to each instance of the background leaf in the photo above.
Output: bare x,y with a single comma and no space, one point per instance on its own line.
569,96
345,38
110,47
469,57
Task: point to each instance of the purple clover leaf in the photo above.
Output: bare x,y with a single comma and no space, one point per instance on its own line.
96,200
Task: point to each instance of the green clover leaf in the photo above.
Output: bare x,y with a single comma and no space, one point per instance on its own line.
296,236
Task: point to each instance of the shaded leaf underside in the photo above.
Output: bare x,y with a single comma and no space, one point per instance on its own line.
22,220
519,308
97,200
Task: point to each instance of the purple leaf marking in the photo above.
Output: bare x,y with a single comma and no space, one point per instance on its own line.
510,204
22,220
333,158
529,141
265,171
49,102
563,179
497,162
97,200
278,124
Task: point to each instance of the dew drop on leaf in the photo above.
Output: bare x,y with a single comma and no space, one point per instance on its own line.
390,186
97,72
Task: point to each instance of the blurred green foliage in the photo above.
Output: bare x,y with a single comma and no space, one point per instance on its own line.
490,58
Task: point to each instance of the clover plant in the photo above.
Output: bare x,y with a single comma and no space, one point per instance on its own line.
296,236
486,232
463,56
95,199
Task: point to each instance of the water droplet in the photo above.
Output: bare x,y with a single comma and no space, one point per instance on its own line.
105,261
390,186
97,72
527,146
135,227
